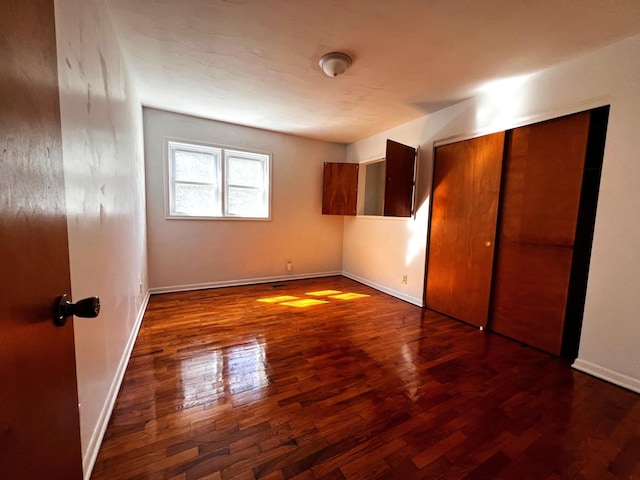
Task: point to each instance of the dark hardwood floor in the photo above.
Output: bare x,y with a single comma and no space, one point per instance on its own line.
222,385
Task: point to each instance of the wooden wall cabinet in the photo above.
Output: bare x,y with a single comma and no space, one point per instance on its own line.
340,184
339,188
400,180
511,229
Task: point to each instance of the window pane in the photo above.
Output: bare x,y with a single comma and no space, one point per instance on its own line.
194,166
246,202
201,185
244,171
197,200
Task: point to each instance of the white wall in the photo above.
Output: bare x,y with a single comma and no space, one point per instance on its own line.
186,254
378,251
104,181
609,346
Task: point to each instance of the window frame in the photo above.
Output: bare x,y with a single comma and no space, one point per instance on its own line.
221,173
264,189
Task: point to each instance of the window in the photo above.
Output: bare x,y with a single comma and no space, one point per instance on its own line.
207,181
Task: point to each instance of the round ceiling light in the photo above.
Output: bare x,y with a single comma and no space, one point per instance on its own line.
335,63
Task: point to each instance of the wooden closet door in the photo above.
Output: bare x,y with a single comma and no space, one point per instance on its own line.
541,187
466,188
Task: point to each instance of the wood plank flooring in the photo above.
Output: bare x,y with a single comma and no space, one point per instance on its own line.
222,385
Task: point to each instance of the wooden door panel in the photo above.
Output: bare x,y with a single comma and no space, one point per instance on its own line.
530,293
39,421
339,188
400,170
542,182
463,222
541,191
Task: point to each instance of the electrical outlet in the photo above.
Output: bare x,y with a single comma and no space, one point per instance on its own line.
404,279
289,265
140,288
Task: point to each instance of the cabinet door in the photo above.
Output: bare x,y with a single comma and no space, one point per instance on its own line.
339,188
466,189
400,168
541,190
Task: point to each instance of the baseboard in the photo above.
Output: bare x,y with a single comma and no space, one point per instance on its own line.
611,376
90,455
240,282
382,288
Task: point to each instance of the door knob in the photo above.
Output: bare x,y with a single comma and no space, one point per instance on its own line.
487,243
87,308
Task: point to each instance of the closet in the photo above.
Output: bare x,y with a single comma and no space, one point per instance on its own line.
511,229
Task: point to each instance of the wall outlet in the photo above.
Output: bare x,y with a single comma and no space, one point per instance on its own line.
404,279
140,288
289,265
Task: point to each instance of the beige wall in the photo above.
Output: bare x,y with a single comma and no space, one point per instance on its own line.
609,342
103,168
185,254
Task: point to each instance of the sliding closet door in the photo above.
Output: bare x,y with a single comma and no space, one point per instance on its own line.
541,188
466,188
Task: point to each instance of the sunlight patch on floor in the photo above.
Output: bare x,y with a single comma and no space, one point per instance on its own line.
323,293
349,296
307,302
282,298
292,301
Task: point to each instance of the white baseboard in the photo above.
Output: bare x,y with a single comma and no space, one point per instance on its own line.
90,455
382,288
240,282
611,376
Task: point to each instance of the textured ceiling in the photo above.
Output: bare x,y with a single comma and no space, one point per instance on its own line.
255,62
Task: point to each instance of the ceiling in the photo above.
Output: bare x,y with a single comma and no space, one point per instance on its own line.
255,62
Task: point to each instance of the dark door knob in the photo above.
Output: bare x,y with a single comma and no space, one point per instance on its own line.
87,307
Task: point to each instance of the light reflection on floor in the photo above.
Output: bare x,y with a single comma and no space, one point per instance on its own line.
246,365
211,375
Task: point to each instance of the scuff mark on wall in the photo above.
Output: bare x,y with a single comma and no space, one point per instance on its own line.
89,99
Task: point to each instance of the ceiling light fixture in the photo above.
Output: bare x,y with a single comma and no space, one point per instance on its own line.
335,63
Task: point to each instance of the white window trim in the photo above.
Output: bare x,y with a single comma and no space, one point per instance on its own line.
223,180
